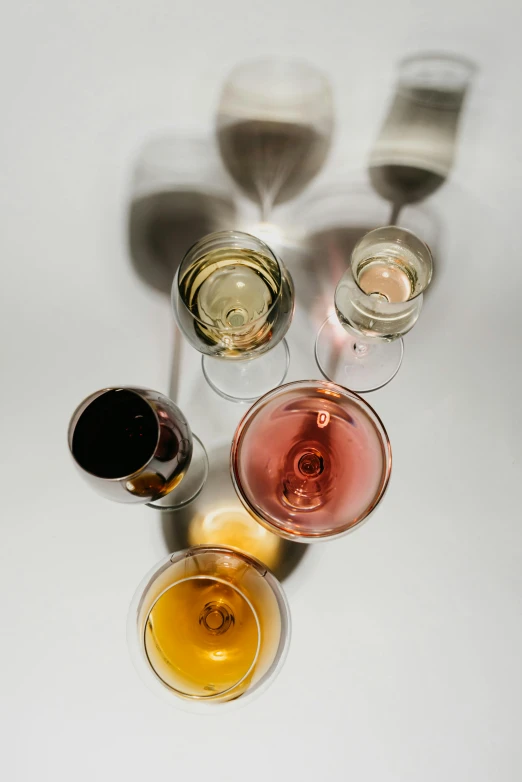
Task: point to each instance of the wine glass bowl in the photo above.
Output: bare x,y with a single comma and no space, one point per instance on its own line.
233,300
208,625
274,128
310,460
134,445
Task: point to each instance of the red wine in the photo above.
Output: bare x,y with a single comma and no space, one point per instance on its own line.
116,435
311,459
272,160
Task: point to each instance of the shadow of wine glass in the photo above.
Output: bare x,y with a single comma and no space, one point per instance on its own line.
180,192
217,517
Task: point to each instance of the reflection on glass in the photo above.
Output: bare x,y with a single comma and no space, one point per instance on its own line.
274,128
208,625
414,152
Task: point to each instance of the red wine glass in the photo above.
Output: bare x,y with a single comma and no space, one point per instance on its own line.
310,460
134,445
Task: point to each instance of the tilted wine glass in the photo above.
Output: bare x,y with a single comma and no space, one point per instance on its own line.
134,445
207,626
233,300
377,300
274,127
310,460
414,152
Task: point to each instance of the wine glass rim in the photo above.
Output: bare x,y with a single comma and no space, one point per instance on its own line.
399,229
86,403
339,391
176,294
281,64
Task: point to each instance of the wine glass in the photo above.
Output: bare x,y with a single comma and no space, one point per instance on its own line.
208,625
134,445
414,152
377,300
274,128
310,460
233,299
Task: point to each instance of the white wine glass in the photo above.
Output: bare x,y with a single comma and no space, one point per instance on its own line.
377,300
233,299
274,128
208,626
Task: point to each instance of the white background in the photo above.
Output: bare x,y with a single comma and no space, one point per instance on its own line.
406,654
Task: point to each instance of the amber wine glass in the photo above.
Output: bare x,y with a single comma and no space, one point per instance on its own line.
377,300
233,299
274,128
134,445
208,625
310,460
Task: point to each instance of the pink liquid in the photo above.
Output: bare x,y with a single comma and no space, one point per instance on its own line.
312,460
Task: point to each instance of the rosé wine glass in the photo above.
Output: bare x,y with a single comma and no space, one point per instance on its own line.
310,460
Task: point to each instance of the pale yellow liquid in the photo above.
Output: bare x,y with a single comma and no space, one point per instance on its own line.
202,637
231,291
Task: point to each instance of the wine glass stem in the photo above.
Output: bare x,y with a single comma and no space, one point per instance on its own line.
394,216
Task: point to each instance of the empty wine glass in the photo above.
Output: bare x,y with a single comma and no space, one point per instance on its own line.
377,300
274,128
134,445
414,152
207,626
310,460
233,299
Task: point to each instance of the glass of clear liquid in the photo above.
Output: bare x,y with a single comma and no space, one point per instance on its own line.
414,152
377,300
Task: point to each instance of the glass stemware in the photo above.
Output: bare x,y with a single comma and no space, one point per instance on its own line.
310,460
377,300
233,300
134,445
274,128
208,625
414,152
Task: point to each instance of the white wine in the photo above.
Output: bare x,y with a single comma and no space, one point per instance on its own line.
234,295
390,278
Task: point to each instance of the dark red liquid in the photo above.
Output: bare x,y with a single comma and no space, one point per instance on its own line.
116,435
312,460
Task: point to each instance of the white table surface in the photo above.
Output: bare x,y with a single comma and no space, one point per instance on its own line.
405,661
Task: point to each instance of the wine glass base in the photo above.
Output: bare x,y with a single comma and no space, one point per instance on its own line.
354,363
247,380
192,483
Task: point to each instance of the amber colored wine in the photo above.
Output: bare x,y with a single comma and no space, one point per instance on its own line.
202,636
311,460
272,160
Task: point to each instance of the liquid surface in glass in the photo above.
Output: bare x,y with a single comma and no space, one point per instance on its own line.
201,636
312,462
116,435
